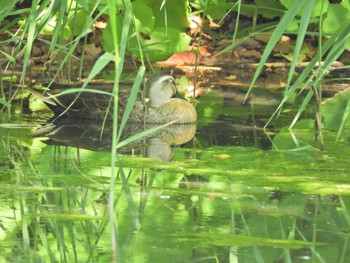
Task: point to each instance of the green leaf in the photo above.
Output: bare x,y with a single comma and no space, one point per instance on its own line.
217,9
9,57
171,14
78,21
6,7
100,65
335,17
269,8
164,21
214,9
335,111
165,42
319,7
4,102
144,17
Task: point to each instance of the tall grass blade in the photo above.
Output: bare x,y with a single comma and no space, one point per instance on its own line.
45,18
344,120
275,37
245,37
112,217
134,212
6,10
131,100
125,34
75,42
335,45
120,53
9,57
31,36
100,64
46,12
304,23
317,77
5,102
24,223
60,23
80,90
234,44
141,135
302,107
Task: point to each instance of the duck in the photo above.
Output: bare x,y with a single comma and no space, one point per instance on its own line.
160,106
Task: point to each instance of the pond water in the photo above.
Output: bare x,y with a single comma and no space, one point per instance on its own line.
235,192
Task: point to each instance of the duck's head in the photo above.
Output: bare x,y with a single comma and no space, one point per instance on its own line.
159,89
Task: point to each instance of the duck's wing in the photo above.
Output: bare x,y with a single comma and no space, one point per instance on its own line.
91,102
63,98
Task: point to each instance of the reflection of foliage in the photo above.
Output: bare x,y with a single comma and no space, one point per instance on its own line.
211,105
163,14
335,112
218,9
224,201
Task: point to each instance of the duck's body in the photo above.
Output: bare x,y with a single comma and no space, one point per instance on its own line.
161,107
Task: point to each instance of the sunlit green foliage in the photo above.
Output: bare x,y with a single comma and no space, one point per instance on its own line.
336,15
162,31
319,7
218,9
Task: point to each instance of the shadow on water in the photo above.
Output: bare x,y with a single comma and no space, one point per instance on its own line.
218,192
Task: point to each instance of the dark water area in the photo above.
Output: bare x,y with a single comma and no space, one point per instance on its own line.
224,190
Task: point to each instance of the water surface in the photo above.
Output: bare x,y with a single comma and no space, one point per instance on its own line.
235,192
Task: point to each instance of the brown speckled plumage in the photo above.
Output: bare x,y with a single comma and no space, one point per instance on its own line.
161,107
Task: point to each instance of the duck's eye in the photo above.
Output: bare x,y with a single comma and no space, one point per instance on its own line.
169,81
172,81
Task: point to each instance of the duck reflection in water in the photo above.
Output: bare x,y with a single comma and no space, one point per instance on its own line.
89,135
